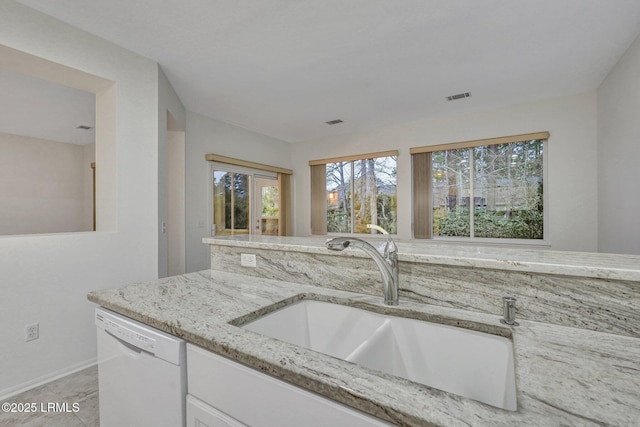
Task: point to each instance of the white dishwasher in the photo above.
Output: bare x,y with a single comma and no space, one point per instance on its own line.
142,374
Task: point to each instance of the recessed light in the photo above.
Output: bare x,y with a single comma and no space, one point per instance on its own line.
333,122
459,96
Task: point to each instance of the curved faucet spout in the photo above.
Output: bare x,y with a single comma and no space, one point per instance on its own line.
387,262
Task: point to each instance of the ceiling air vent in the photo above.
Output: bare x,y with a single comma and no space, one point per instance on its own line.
333,122
84,127
458,96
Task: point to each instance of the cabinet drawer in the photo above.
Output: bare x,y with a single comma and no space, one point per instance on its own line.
257,399
199,414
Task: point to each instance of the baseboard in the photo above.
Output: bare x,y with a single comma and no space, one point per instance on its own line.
12,391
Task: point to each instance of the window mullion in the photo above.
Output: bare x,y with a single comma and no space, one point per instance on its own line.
352,206
233,202
472,203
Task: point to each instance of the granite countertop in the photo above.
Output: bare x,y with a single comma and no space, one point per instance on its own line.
564,376
530,260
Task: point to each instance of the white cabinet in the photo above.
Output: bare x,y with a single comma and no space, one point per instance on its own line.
248,397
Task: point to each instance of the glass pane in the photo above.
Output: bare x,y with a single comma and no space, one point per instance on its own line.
374,194
339,197
270,210
230,203
270,200
221,199
508,190
241,203
451,193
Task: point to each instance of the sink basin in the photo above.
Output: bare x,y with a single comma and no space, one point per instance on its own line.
468,363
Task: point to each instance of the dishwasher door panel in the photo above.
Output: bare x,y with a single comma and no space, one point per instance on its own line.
136,388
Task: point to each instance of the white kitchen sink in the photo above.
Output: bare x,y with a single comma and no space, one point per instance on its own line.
468,363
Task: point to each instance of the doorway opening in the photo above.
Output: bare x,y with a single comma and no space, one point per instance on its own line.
175,198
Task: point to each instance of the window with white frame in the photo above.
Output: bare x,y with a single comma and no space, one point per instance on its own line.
350,192
485,189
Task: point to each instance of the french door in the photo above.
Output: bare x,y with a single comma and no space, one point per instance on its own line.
245,201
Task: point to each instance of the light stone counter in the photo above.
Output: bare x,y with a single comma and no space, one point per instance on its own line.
600,292
579,264
565,376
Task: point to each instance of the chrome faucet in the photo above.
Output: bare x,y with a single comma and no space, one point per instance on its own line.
387,262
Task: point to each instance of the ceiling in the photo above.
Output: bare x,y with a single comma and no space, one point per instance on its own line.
285,67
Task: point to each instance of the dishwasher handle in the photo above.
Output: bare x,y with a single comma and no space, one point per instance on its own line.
127,349
129,336
155,342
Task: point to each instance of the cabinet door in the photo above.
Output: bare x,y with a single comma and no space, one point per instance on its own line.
199,414
256,399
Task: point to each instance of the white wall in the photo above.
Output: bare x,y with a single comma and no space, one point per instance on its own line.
571,159
43,186
168,102
176,203
204,136
45,278
619,156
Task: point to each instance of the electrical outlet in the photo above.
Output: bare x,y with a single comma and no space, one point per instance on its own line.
248,260
32,332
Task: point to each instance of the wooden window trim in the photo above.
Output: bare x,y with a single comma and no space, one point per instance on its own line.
285,221
480,142
353,157
246,163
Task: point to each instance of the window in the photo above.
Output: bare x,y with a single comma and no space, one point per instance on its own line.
249,198
486,189
231,202
350,192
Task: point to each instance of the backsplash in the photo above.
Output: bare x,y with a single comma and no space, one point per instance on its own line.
598,304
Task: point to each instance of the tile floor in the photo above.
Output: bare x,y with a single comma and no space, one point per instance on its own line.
80,388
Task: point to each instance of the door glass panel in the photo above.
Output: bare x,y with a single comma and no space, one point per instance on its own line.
268,195
231,203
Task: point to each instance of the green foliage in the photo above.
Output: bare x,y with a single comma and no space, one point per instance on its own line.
338,221
503,181
455,224
388,213
270,201
521,224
